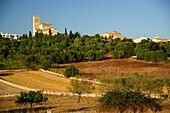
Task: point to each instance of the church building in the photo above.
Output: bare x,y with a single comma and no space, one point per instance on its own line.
43,27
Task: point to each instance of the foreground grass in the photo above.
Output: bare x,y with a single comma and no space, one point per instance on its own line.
55,104
62,104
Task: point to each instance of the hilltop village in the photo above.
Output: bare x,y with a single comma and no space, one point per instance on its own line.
107,36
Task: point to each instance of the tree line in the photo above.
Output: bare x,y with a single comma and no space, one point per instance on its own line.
40,51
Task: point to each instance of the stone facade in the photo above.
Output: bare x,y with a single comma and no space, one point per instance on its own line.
112,34
43,27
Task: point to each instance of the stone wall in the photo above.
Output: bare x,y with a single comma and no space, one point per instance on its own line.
58,74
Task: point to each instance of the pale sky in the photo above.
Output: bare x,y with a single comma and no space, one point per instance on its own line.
133,18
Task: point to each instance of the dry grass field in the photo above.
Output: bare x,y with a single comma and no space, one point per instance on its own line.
62,104
42,80
39,80
56,104
96,70
7,89
122,68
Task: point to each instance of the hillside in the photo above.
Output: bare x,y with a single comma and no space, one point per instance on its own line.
121,68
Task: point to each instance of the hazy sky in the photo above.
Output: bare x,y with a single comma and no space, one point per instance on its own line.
133,18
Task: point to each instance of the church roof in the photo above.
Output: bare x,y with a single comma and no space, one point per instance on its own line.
46,23
113,32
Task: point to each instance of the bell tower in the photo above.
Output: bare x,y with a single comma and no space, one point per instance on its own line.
36,24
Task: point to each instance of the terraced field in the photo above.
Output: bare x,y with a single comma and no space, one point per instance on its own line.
41,80
38,80
7,89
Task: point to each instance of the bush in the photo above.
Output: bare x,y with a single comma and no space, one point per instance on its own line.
71,71
128,101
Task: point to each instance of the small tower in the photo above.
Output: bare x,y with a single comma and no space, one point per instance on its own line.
36,24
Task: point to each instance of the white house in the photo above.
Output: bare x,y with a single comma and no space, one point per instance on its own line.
158,39
140,39
10,36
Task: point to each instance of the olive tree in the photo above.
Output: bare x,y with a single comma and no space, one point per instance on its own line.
80,87
30,98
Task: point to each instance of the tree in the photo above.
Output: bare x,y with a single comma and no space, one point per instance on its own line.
77,35
80,87
46,61
71,34
71,71
2,66
167,48
66,31
151,51
50,34
30,34
128,101
123,50
31,97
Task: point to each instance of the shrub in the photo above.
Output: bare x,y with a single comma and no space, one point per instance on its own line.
71,71
128,101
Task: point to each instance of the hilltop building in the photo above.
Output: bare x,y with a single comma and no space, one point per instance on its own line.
159,39
43,27
140,39
10,36
113,35
154,39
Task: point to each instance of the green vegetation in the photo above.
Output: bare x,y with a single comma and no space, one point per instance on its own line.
41,51
134,94
30,97
151,51
128,101
58,70
138,83
71,71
